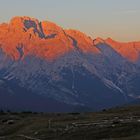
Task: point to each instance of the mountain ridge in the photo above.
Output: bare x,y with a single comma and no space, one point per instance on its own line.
32,33
67,66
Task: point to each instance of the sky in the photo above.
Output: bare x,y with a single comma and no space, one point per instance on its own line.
118,19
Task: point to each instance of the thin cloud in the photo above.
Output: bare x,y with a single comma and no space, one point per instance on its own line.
131,11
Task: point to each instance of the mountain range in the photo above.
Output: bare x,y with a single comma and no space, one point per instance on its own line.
44,67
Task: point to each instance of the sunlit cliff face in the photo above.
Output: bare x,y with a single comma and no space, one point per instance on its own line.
43,39
130,50
24,36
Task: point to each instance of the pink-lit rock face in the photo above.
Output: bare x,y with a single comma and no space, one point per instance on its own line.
130,50
43,39
84,42
98,41
33,37
48,40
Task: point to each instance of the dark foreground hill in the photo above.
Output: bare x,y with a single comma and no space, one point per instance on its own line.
121,123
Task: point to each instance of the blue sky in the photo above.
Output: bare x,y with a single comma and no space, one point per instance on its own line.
119,19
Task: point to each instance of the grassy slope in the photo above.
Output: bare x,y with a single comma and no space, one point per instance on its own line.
117,124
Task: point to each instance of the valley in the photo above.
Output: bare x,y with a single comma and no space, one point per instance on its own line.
120,123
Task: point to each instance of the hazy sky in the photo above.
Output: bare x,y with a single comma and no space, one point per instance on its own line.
119,19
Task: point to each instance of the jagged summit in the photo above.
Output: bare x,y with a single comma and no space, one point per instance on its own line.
43,39
98,40
48,40
129,50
